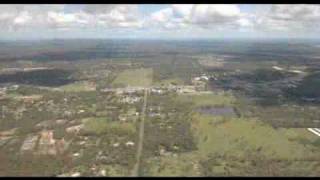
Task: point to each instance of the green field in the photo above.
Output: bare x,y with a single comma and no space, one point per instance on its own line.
78,87
100,126
171,81
235,136
240,147
211,99
183,164
134,78
237,139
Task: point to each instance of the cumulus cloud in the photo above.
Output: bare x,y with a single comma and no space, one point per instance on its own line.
204,16
198,18
13,17
115,15
289,18
16,17
166,18
61,20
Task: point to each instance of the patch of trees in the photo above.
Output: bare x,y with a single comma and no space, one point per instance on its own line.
171,132
48,77
308,88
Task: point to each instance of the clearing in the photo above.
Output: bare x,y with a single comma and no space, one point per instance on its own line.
134,78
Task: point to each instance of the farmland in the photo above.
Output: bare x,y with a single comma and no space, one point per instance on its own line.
134,77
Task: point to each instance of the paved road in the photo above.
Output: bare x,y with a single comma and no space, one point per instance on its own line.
136,168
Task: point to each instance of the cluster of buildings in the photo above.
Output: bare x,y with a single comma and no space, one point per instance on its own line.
43,143
3,90
6,136
126,90
199,84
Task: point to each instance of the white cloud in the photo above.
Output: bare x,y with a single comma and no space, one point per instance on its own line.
289,18
114,15
65,21
215,14
200,16
164,18
244,22
16,17
23,18
175,18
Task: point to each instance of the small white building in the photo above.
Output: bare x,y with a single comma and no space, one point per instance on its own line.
277,68
129,143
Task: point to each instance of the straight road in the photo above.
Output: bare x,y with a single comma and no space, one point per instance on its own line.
136,168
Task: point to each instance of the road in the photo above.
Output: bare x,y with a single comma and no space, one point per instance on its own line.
136,168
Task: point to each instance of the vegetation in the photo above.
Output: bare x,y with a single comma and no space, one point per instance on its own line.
134,77
74,107
100,126
211,99
77,87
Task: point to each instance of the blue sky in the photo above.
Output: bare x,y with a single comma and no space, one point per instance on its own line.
150,8
165,21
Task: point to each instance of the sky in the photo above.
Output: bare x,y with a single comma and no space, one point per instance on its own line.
159,21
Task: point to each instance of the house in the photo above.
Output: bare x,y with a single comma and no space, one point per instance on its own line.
277,68
129,143
132,112
199,85
3,91
186,89
116,144
14,87
30,99
47,143
197,78
155,108
204,77
50,146
119,91
103,172
106,90
76,174
157,91
153,114
130,99
75,129
46,124
122,117
131,115
29,143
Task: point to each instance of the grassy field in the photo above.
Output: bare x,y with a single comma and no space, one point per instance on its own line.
78,87
236,135
184,165
134,77
239,141
241,147
213,99
102,125
167,82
